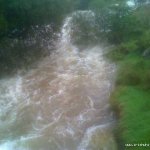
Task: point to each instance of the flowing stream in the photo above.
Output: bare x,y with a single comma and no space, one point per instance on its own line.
62,104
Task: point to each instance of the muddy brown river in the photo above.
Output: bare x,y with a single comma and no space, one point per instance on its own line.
62,104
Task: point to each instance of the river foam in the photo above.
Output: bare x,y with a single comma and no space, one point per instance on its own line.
63,103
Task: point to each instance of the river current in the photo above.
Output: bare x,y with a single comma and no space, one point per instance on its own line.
62,104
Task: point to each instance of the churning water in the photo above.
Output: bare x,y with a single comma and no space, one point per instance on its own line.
60,105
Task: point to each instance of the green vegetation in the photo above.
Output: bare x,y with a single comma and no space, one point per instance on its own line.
25,13
26,29
131,97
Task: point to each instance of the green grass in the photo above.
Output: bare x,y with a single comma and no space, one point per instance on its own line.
134,114
131,97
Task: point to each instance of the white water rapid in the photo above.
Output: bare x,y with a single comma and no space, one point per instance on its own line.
63,104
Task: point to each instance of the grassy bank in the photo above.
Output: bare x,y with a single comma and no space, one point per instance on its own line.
131,97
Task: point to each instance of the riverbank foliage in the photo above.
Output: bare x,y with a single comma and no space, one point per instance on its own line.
131,97
27,28
19,14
